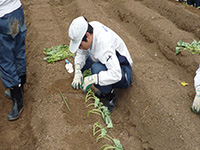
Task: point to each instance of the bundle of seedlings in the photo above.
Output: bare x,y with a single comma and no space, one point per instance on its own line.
193,48
99,108
115,143
57,53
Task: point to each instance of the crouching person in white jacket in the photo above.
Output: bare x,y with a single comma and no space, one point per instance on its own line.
101,49
196,102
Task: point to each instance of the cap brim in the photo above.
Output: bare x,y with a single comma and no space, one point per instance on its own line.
73,46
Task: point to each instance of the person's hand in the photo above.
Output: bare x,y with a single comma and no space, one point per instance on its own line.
88,81
196,102
78,78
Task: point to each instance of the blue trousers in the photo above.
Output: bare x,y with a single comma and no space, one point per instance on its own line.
12,48
97,67
195,3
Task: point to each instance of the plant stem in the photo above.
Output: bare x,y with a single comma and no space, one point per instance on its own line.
64,100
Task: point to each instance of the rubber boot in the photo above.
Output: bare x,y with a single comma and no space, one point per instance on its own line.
109,99
17,98
7,93
99,94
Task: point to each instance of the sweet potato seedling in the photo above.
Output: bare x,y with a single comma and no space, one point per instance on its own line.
116,145
103,135
94,111
90,95
101,129
96,104
103,111
193,48
99,108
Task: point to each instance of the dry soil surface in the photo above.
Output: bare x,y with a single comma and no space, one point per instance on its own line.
153,114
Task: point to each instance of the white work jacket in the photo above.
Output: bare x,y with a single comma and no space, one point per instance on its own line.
106,43
8,6
197,78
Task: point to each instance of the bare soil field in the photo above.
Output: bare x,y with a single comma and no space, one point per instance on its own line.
153,114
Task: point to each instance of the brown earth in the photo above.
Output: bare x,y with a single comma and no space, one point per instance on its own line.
153,114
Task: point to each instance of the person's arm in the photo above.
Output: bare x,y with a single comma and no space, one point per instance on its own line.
79,62
80,58
103,78
113,73
197,78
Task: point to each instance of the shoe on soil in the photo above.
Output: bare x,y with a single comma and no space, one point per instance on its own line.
109,99
110,103
17,98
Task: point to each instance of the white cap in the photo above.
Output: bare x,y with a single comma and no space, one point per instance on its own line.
77,30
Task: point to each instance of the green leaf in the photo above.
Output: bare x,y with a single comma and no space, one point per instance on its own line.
179,43
193,48
118,145
110,125
96,103
103,132
177,50
87,73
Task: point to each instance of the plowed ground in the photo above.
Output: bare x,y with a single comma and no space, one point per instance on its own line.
153,114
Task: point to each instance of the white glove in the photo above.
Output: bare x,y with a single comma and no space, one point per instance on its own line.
78,78
89,80
196,102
